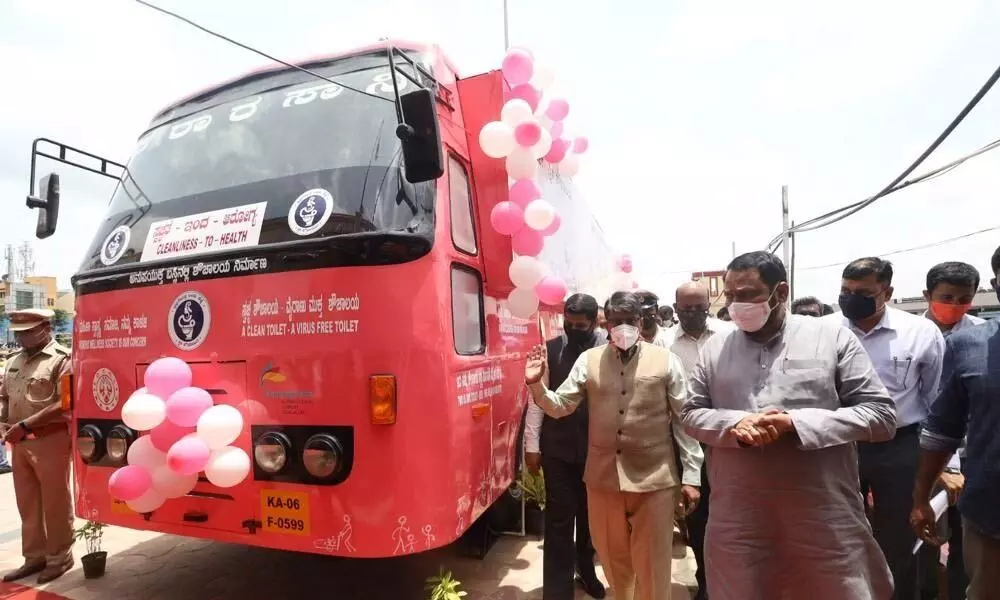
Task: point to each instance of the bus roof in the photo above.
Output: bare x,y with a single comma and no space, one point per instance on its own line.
278,67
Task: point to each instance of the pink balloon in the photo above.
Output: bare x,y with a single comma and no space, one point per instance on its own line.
527,134
188,456
580,145
167,375
557,130
186,404
528,93
527,242
507,218
558,109
551,290
625,264
635,285
166,434
129,482
558,151
553,227
524,191
518,67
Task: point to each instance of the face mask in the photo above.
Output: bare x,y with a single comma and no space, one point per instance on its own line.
856,307
648,322
578,337
750,316
693,321
624,336
949,314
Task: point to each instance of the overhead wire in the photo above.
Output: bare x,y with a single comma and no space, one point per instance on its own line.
905,250
942,170
256,51
846,211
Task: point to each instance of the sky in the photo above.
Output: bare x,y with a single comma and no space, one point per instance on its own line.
697,112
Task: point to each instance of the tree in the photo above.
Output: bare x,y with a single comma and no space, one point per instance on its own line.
60,319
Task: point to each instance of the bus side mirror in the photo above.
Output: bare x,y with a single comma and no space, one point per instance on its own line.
420,136
47,205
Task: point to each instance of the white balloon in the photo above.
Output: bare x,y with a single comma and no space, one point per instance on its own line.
147,502
544,121
227,467
543,146
526,271
522,303
496,139
570,165
219,426
171,484
522,164
515,112
143,411
539,214
143,453
543,77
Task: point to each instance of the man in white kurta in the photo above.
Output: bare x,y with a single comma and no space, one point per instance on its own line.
779,405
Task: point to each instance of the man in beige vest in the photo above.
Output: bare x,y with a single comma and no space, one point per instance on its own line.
35,423
634,393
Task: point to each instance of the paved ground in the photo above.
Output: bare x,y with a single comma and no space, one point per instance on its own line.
150,566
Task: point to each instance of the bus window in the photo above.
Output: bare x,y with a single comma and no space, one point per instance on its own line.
463,229
467,310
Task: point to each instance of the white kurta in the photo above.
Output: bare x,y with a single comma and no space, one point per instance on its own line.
787,520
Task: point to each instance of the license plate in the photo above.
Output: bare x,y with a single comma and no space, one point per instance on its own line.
284,512
119,507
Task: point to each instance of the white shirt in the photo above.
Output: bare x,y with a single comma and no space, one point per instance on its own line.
907,351
687,348
663,338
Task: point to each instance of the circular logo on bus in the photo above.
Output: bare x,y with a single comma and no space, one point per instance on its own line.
310,212
189,320
115,244
105,389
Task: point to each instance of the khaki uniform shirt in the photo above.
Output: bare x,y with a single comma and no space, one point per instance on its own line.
31,383
634,410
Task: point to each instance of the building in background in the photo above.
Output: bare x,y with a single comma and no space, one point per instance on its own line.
714,281
984,305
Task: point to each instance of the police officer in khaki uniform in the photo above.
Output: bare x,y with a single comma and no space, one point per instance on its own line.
34,423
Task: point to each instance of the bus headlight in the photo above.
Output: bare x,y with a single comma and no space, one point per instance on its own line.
90,443
119,439
322,456
271,451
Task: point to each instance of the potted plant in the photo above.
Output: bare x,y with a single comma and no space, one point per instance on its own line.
533,488
444,587
95,560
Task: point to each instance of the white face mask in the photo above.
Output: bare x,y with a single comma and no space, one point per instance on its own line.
750,316
624,336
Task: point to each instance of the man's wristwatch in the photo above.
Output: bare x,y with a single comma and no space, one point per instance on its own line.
953,470
25,427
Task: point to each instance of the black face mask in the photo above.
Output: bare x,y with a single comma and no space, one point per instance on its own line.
856,307
693,321
578,337
648,322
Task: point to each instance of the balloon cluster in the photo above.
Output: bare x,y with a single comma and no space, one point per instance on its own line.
530,130
185,435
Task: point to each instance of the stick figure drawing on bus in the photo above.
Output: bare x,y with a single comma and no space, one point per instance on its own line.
345,535
405,541
428,535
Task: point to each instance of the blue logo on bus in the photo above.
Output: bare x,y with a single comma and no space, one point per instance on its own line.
310,212
190,318
115,245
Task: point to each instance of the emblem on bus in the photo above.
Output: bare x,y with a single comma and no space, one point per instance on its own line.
188,321
105,389
115,245
310,212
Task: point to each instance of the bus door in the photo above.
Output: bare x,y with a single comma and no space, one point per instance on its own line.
232,509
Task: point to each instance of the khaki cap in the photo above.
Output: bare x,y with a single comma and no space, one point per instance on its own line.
23,320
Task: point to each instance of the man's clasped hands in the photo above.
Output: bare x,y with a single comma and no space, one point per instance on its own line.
763,428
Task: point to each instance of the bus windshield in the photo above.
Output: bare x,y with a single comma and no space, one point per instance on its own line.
293,156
